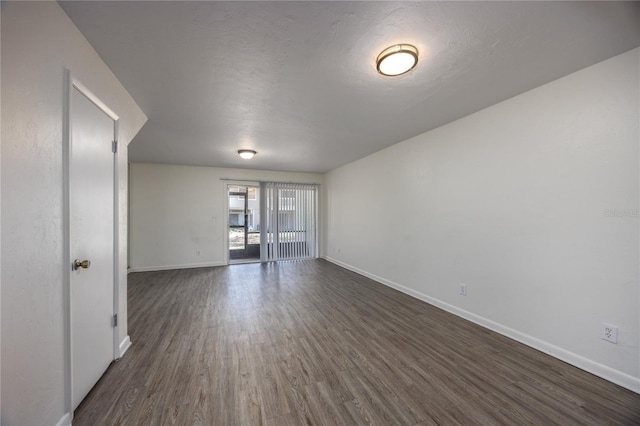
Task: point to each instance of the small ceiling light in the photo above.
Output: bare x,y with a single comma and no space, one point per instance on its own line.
247,154
397,59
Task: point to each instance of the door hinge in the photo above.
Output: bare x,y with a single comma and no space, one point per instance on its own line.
115,320
114,146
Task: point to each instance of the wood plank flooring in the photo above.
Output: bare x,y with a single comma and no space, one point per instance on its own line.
311,343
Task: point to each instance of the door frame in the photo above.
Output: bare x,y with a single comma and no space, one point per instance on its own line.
225,236
72,83
245,221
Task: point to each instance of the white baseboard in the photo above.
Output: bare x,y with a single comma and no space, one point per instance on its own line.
65,420
168,267
618,377
124,345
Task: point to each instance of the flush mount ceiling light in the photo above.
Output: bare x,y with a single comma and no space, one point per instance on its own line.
397,59
247,154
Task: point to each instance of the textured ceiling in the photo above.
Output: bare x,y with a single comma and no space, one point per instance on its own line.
296,81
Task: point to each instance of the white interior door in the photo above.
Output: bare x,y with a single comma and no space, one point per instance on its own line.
91,225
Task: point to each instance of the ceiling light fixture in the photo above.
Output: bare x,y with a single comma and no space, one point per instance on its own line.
397,59
247,154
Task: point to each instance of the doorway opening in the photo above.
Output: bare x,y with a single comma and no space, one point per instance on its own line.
244,223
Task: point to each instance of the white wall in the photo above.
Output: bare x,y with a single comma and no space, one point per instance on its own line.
38,43
178,210
515,201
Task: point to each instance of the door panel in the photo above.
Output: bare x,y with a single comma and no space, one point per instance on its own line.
91,192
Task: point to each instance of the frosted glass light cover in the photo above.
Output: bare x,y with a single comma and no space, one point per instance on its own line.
397,59
247,154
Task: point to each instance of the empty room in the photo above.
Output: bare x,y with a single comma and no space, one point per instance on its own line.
320,213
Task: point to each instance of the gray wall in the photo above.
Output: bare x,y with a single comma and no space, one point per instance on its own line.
180,211
532,203
38,43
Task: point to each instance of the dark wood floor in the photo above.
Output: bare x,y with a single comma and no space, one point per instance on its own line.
311,343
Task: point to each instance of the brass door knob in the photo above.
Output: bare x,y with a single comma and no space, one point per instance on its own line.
84,264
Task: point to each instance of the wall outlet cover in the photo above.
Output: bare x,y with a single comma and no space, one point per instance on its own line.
463,289
609,333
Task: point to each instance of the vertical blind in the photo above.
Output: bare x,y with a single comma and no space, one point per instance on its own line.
290,221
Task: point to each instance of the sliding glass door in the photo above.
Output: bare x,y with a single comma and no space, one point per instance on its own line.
276,221
244,223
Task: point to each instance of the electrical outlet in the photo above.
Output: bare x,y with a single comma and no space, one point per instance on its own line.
463,289
609,333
